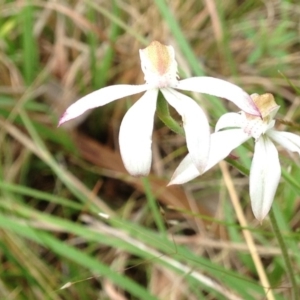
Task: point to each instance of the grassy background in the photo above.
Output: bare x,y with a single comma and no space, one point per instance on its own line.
55,181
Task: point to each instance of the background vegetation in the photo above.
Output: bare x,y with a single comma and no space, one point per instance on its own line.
198,243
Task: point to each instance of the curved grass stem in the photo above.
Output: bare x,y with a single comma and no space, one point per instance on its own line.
154,208
286,258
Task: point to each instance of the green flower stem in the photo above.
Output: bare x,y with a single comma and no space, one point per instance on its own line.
237,165
278,235
164,115
153,206
289,269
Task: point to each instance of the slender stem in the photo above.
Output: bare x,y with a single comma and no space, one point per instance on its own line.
247,234
291,124
164,115
286,258
153,206
289,82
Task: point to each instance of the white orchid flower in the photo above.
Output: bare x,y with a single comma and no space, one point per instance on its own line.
265,169
160,70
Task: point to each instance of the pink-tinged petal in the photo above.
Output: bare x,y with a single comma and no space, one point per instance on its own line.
135,135
195,125
100,98
264,177
229,120
289,141
221,144
220,88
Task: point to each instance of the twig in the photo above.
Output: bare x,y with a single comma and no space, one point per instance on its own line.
247,234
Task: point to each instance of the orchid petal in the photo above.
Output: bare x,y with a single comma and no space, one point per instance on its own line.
220,88
186,171
135,137
289,141
195,125
100,98
229,120
221,144
264,177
